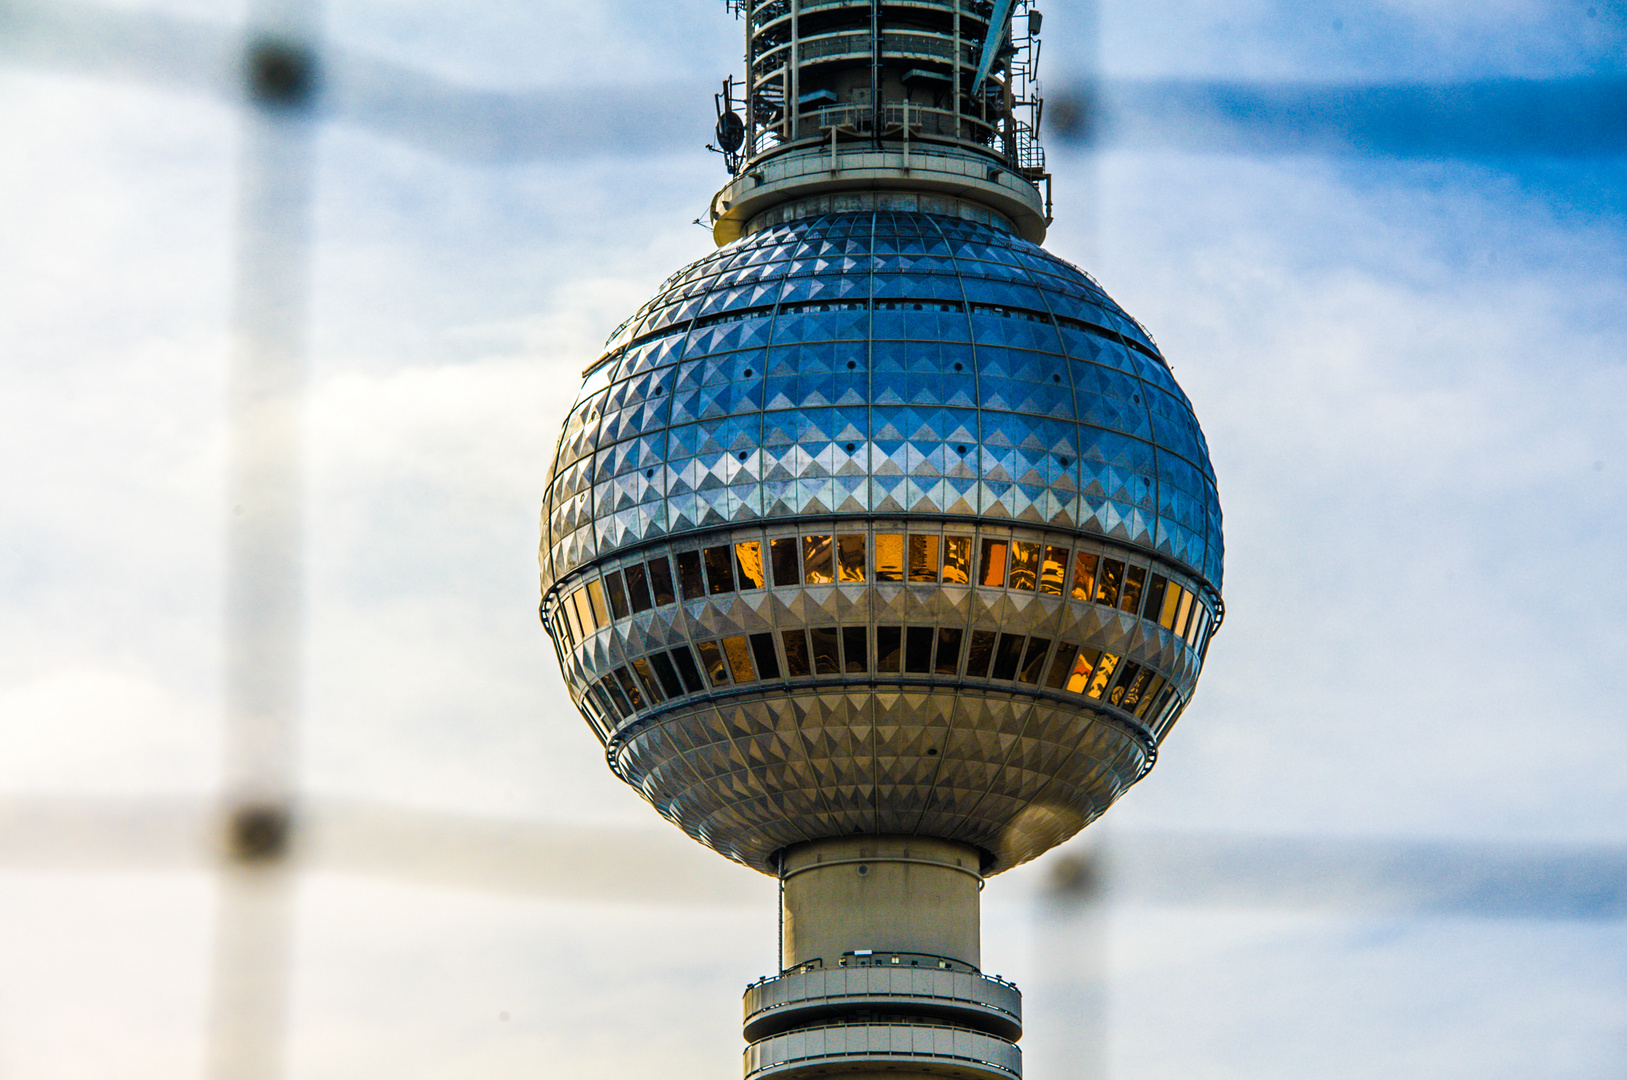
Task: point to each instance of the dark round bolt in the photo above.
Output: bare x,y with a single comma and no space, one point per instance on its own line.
282,74
258,832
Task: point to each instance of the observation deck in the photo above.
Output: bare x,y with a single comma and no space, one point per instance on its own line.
926,96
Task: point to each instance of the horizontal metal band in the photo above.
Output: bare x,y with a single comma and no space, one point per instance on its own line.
963,998
955,1052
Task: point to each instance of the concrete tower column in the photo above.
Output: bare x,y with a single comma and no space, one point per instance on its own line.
856,895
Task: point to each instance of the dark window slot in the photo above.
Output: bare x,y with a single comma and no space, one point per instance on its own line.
1007,656
618,599
787,562
628,687
661,582
646,679
980,653
918,650
689,575
1062,665
762,648
889,642
796,653
1034,660
1134,578
1127,677
826,659
1154,602
667,674
638,588
948,651
687,669
624,706
1107,582
719,569
855,649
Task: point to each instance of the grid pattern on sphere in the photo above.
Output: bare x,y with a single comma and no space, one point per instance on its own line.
881,363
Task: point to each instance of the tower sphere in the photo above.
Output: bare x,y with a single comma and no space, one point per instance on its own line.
881,519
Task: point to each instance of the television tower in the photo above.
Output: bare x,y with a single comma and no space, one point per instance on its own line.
881,549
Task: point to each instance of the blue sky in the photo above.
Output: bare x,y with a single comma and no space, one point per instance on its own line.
1411,373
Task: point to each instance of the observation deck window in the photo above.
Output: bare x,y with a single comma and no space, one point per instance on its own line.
923,557
957,560
738,653
855,649
661,581
719,569
1053,570
712,658
786,561
918,650
646,679
1134,578
796,653
827,661
1034,659
1103,675
1024,565
667,674
748,562
1108,577
629,688
980,654
1084,577
850,556
1007,657
618,598
889,557
816,560
948,650
1061,665
889,645
992,566
687,669
762,648
638,588
689,575
600,610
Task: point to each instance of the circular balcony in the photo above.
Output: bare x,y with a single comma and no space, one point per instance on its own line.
949,1052
962,998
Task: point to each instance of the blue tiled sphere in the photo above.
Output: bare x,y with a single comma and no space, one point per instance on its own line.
755,477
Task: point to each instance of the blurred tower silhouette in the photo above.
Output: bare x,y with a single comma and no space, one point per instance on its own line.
881,548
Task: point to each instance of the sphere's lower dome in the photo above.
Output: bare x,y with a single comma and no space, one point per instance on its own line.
881,522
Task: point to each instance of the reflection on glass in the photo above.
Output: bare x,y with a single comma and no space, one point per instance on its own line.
1149,696
826,659
661,581
719,569
689,574
1061,665
1172,601
712,658
646,679
1007,656
889,557
957,560
787,561
855,649
623,706
748,562
1034,659
1084,577
1079,677
618,599
1127,677
572,620
992,566
1053,570
584,614
686,668
948,651
1104,673
889,643
1200,622
638,589
816,560
850,556
796,653
918,650
1024,565
739,656
923,557
625,681
666,673
601,610
980,653
1134,578
1107,582
1182,615
1155,597
762,648
1134,689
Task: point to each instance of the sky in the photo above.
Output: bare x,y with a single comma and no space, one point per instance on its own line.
1411,373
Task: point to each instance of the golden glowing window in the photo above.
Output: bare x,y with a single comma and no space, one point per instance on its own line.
1024,565
1183,614
1199,617
850,556
1104,673
1149,696
1172,601
957,560
992,567
816,560
583,612
1084,577
739,656
923,557
601,610
1053,570
748,564
889,556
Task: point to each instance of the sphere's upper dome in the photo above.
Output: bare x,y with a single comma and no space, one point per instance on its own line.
881,522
